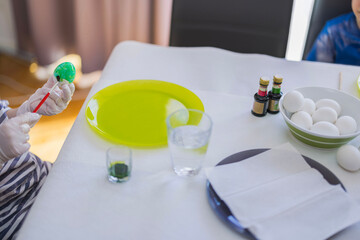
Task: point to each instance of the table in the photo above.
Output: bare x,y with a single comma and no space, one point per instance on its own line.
77,201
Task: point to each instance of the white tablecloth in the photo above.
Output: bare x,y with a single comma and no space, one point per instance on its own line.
77,201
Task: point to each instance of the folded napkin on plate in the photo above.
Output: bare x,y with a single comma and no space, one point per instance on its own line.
277,195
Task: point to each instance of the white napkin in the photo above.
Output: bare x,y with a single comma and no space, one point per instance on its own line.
277,195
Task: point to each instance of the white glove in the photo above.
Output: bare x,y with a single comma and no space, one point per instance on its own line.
14,135
57,101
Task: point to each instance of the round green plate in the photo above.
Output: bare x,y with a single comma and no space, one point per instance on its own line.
134,112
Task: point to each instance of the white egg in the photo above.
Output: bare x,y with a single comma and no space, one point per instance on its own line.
348,157
293,101
325,102
346,125
325,114
303,119
325,128
308,106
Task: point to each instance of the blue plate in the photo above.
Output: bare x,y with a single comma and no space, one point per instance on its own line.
222,210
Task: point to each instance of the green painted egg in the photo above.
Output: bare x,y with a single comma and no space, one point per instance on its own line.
65,71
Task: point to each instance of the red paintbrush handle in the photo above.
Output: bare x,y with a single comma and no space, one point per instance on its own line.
41,103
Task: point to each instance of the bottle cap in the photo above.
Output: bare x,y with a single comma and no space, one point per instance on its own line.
278,79
264,81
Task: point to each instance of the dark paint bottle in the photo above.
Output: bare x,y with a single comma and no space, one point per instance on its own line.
275,95
261,99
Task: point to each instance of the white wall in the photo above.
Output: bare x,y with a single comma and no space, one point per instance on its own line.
7,27
299,26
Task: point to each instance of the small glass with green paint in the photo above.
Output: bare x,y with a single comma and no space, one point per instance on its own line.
119,163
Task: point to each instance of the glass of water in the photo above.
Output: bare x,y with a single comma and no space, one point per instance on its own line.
188,133
118,163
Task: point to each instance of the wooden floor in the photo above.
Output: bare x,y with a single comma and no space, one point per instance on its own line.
48,135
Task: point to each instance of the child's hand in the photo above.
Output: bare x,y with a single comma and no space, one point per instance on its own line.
57,101
14,135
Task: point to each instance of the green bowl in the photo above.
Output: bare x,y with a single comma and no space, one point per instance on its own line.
350,106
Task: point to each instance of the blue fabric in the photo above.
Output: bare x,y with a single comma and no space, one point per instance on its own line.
338,42
3,109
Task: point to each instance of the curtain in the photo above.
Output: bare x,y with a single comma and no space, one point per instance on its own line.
50,29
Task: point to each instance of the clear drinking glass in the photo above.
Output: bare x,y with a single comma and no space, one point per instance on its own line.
119,163
188,132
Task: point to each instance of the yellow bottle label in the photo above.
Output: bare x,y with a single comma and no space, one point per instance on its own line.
274,105
258,108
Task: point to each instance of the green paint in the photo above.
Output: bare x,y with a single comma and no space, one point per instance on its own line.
65,71
119,170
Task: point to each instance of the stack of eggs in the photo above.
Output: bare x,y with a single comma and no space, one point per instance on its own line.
322,117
